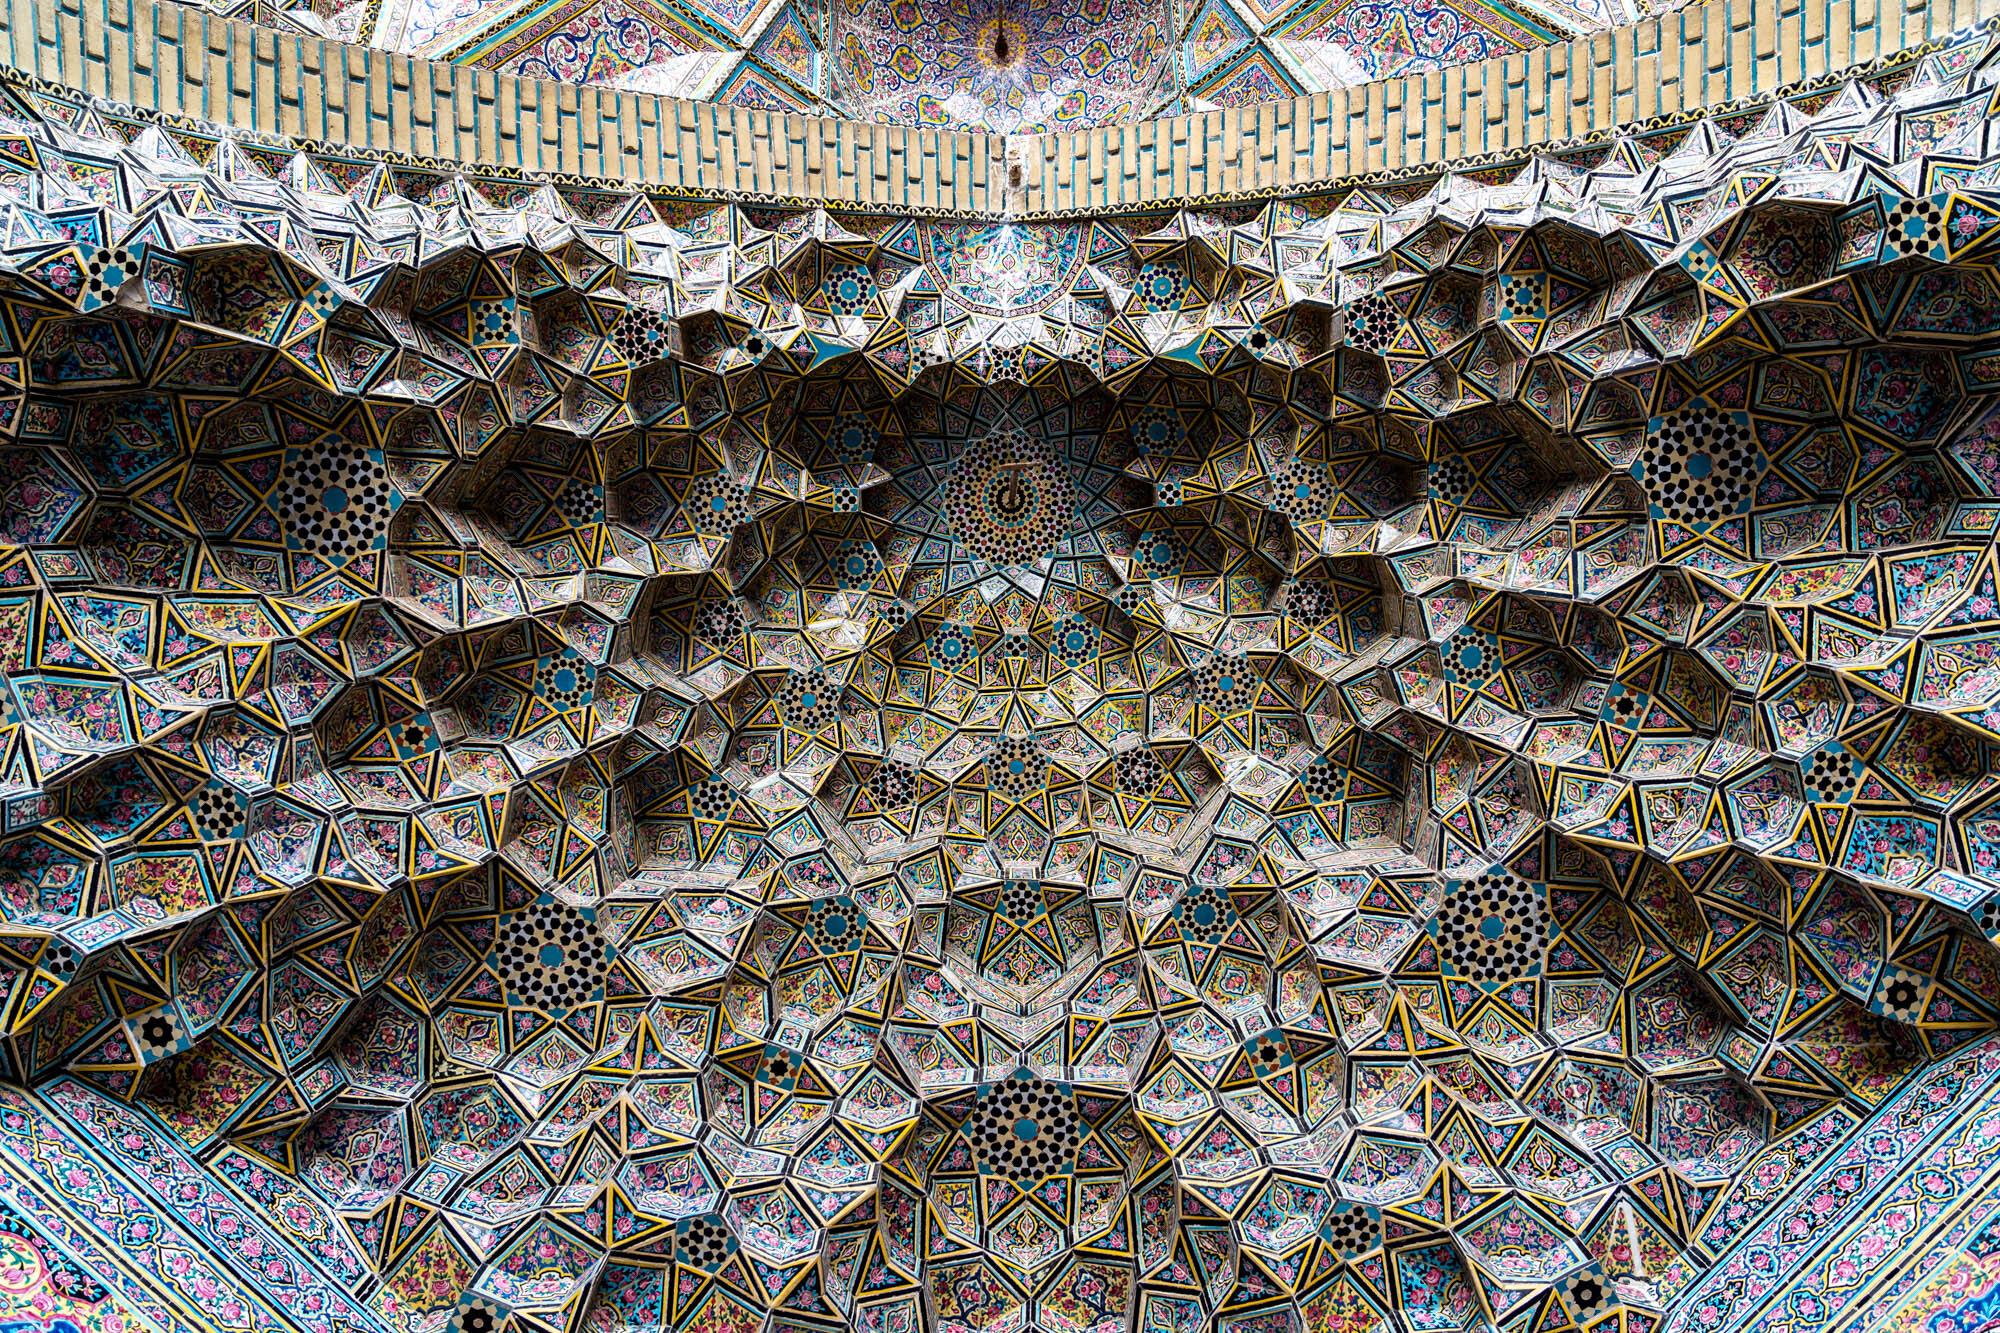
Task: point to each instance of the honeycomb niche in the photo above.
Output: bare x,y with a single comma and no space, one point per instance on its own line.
1410,757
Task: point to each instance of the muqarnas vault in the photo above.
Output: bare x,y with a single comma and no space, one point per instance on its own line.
1419,757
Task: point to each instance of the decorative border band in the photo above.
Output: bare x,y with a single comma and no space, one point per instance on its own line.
202,74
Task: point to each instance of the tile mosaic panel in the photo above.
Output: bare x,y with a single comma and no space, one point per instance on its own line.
1420,758
986,66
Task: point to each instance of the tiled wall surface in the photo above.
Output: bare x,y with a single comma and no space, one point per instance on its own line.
190,62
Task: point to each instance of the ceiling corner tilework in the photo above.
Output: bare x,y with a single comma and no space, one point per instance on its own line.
1423,758
990,66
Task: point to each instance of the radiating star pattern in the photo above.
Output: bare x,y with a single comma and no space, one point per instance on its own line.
1416,758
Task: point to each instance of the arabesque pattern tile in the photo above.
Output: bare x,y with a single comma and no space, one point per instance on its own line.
1419,757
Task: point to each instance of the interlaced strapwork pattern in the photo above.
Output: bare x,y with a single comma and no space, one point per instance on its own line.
1414,758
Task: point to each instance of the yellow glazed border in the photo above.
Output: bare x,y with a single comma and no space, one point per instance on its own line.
184,62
